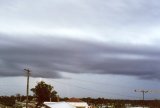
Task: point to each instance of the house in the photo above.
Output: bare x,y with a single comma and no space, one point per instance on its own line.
77,103
71,103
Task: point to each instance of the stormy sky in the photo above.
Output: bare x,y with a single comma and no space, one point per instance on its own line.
96,41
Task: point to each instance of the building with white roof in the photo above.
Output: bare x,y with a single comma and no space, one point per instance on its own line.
58,105
71,103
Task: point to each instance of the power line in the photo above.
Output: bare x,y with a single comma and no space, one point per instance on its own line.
147,91
102,83
93,90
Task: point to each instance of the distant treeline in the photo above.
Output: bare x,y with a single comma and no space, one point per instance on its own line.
10,101
122,103
118,103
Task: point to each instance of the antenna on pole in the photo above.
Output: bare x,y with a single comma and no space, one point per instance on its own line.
27,91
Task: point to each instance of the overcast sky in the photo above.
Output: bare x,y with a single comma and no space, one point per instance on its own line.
112,44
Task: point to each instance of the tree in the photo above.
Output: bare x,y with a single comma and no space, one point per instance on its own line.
18,97
43,92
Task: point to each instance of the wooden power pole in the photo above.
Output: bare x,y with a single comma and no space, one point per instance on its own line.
27,91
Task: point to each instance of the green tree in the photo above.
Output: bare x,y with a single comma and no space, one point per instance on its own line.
43,92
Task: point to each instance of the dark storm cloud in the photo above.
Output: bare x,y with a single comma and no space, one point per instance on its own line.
49,56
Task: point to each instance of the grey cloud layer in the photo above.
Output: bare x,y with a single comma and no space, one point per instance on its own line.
105,20
48,57
84,13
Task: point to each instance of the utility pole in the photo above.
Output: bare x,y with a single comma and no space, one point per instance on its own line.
27,91
143,92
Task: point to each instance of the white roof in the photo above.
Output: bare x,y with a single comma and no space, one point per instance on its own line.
58,105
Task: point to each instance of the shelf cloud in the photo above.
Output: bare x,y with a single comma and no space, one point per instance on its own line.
49,56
